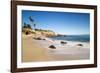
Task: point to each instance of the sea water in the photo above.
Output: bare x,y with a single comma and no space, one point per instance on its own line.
81,38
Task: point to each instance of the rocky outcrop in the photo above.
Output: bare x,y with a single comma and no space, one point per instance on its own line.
28,31
47,33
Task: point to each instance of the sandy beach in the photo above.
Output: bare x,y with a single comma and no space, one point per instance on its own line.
38,50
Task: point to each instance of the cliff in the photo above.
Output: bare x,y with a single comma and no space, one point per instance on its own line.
47,33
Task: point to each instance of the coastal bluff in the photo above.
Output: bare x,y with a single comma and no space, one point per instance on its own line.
47,33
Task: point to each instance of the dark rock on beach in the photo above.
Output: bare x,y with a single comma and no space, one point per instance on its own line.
62,42
38,38
52,47
79,45
43,39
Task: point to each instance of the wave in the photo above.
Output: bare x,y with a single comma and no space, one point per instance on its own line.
81,38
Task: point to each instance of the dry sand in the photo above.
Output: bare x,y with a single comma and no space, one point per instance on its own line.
31,51
37,50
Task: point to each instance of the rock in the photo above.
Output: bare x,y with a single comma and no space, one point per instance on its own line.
27,33
79,45
44,39
38,38
62,42
52,47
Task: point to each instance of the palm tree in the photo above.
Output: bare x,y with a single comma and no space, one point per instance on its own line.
34,26
25,25
32,20
29,26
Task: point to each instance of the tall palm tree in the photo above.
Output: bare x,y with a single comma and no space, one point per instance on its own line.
34,26
32,20
24,25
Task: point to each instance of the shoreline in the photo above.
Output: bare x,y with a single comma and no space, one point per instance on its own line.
38,50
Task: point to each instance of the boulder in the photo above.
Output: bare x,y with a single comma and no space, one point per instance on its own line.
79,45
52,47
62,42
38,38
44,39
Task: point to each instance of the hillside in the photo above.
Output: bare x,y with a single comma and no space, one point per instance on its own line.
47,33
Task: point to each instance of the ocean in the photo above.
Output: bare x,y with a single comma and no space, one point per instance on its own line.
81,38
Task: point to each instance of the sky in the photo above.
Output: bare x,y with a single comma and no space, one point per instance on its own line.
59,22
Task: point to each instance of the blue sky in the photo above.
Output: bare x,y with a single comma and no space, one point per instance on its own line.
60,22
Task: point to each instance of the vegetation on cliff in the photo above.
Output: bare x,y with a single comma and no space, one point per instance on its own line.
27,29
